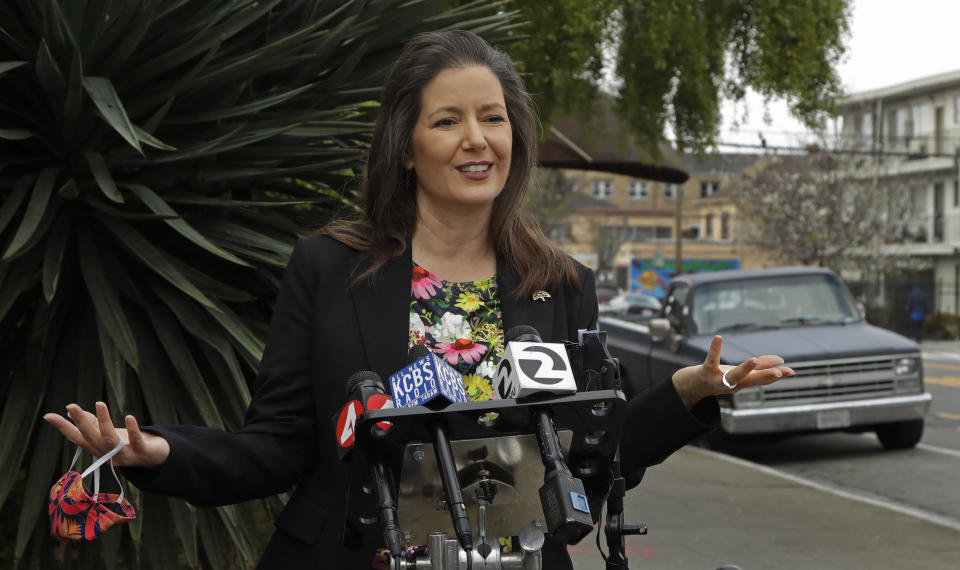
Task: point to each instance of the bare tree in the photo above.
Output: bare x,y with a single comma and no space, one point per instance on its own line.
555,203
827,209
606,239
550,199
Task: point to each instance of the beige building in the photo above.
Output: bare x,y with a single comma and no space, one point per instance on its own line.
622,218
910,133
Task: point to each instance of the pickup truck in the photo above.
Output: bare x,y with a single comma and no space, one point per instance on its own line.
850,375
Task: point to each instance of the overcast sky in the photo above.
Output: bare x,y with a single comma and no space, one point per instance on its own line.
891,41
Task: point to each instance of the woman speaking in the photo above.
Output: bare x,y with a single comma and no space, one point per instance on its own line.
443,255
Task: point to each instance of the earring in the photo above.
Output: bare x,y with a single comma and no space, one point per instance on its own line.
407,178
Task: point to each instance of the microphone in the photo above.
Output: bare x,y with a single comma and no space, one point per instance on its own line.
564,500
427,381
365,392
599,369
530,365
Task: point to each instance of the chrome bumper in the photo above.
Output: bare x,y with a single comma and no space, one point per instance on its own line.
833,415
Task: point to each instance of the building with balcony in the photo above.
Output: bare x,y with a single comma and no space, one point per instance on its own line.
909,135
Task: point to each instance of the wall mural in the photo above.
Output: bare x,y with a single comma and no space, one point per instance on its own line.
652,276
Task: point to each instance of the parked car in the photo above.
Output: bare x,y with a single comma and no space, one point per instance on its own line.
632,307
606,291
850,375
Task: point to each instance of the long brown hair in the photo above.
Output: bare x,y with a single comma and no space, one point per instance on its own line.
390,206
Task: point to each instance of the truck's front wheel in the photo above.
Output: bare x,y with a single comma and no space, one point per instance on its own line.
900,435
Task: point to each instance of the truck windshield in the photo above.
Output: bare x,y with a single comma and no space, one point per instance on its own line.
773,302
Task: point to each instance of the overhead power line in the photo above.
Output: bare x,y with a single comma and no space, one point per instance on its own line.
861,152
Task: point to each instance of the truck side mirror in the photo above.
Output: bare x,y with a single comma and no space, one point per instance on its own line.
659,328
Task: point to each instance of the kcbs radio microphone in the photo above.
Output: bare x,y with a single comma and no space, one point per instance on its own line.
530,365
427,381
364,392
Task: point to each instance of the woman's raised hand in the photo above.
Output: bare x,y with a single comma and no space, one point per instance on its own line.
694,383
96,434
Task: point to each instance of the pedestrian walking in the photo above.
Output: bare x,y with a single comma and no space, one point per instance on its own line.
917,311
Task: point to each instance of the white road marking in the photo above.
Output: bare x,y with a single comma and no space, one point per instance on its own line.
935,449
940,355
876,501
924,446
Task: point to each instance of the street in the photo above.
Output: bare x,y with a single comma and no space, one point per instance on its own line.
834,500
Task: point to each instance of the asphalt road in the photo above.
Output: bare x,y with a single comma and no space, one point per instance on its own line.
824,501
942,373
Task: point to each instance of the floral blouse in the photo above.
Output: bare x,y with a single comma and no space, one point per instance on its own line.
461,322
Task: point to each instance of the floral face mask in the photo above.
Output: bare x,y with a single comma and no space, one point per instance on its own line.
77,516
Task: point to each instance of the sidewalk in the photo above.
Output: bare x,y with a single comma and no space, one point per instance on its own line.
704,512
941,345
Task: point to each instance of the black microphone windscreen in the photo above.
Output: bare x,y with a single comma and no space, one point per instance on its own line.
523,333
417,352
358,377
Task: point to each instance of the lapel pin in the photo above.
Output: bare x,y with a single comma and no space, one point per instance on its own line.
541,296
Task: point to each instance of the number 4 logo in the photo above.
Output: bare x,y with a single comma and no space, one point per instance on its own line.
346,423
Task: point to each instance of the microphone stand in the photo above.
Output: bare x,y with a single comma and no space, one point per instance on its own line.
451,484
383,483
593,347
614,526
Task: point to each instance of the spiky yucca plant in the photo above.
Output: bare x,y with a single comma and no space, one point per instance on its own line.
158,158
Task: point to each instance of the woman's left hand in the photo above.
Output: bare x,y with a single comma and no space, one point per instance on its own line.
694,383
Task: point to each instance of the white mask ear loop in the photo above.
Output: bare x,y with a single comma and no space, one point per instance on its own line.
95,469
75,457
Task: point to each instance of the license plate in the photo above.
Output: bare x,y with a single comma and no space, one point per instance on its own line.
832,419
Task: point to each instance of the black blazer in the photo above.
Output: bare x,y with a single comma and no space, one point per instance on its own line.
324,328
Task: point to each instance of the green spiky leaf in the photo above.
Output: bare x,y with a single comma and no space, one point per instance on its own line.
106,298
36,209
158,160
104,96
98,166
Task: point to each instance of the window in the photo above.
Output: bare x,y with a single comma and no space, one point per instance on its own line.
899,126
866,129
708,188
922,118
956,193
725,226
560,233
663,232
692,232
938,200
636,233
603,189
642,233
638,190
892,128
956,108
708,230
669,191
794,301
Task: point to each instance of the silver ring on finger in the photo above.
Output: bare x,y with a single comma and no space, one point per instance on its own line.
724,380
